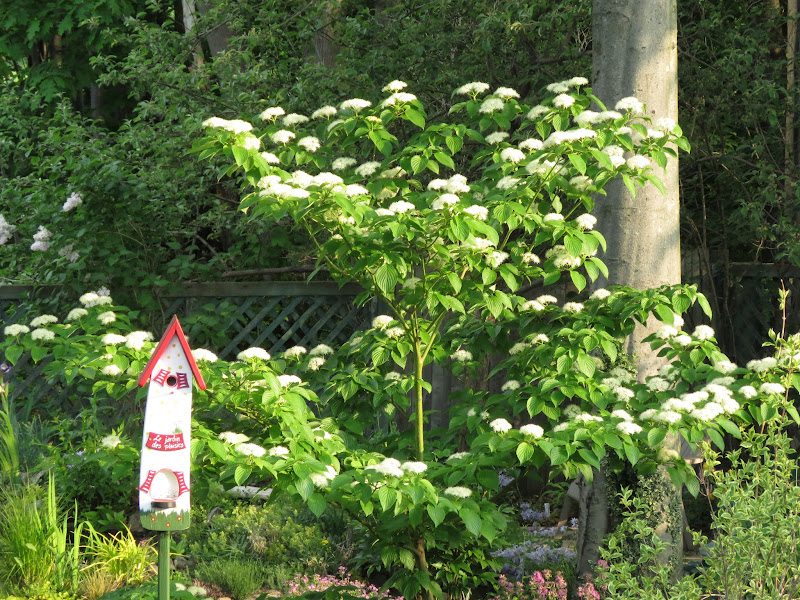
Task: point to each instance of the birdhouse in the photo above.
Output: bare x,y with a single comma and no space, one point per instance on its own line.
164,482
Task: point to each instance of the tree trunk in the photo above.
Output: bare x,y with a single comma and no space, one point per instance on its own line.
634,53
189,18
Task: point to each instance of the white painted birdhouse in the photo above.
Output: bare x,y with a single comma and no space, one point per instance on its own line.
164,481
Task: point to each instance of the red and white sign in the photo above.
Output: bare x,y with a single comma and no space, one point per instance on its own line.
165,443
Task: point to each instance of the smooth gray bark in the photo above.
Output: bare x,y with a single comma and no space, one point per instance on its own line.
634,53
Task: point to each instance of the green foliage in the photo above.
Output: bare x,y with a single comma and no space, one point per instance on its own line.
39,550
124,558
269,536
238,577
756,521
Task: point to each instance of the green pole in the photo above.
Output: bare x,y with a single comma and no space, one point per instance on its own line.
163,565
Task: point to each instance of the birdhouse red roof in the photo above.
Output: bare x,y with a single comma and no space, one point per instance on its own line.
174,329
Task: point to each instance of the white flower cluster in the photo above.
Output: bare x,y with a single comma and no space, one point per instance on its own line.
6,229
73,201
41,239
203,355
249,353
321,480
388,466
234,126
457,184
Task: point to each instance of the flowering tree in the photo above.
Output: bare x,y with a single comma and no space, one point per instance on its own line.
444,223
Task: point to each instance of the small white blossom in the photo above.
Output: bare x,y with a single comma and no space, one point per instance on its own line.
748,391
309,143
76,313
472,89
106,318
272,113
491,105
231,437
638,162
667,416
682,340
294,352
496,137
320,350
506,183
395,86
203,355
532,430
530,144
506,93
248,449
477,212
458,491
630,104
458,456
536,112
324,112
255,352
43,320
586,221
234,126
111,441
563,101
703,332
765,364
414,466
398,98
73,201
42,334
388,466
462,355
666,331
282,136
316,362
500,425
518,347
355,104
294,119
510,385
572,307
368,168
287,380
529,258
395,332
111,370
512,155
769,388
628,428
401,206
279,451
600,294
381,321
342,163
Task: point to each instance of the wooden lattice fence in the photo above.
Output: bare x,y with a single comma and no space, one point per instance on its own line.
222,317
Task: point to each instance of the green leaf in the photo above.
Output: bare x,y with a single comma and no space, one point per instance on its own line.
692,486
578,280
665,314
386,278
13,353
444,159
488,478
387,497
240,155
38,353
610,349
578,162
603,158
317,504
471,520
632,452
558,455
418,163
454,143
655,436
629,184
701,300
525,452
716,438
586,364
242,473
729,426
455,282
680,303
415,117
436,513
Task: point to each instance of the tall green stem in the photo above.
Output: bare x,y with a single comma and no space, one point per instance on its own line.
419,361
